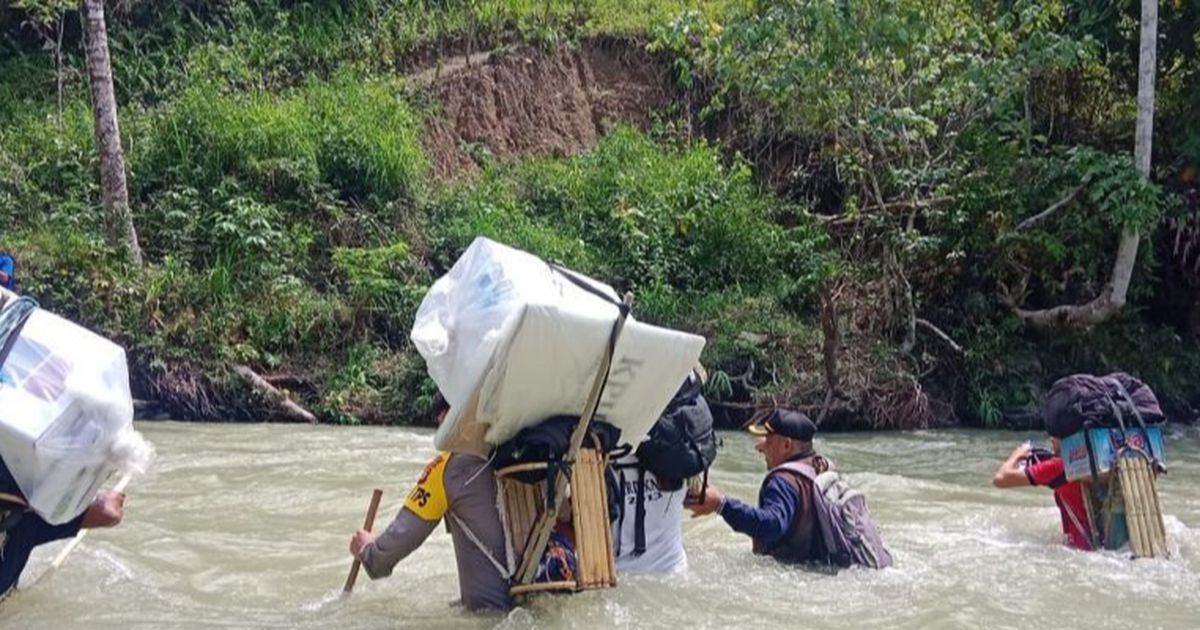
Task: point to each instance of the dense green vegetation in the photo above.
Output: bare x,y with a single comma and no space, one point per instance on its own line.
282,195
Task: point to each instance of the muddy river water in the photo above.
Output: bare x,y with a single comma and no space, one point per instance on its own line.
246,526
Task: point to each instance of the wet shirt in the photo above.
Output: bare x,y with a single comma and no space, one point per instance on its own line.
462,489
20,540
663,525
1068,496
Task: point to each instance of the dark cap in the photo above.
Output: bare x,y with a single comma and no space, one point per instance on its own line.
787,423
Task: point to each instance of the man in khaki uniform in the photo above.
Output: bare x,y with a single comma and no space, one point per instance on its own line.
462,489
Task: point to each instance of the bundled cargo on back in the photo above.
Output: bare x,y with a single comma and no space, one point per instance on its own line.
1096,416
514,342
1112,442
66,414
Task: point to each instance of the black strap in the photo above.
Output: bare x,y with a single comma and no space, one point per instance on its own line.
639,515
580,282
1141,422
621,518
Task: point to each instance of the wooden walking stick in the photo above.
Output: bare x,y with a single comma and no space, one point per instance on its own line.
367,525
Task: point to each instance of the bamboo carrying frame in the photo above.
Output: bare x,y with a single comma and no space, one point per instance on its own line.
1128,493
523,505
1129,489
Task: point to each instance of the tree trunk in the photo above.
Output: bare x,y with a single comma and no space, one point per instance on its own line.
117,217
1112,298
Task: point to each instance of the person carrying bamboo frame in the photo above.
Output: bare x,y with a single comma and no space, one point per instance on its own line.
462,489
1027,466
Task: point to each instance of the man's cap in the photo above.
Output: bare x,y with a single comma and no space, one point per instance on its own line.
788,423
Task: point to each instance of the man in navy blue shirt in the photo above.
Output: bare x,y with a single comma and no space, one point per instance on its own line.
7,280
784,525
23,529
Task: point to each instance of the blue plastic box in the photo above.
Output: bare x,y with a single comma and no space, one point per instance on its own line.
1105,443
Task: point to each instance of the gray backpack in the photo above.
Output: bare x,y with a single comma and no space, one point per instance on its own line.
847,529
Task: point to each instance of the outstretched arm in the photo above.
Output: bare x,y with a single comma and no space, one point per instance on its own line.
767,523
1011,474
380,554
423,510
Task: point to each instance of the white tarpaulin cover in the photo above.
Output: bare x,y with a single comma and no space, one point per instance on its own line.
510,341
66,415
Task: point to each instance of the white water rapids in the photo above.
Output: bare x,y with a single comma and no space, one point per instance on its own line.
246,526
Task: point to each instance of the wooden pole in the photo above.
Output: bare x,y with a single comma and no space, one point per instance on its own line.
545,525
367,525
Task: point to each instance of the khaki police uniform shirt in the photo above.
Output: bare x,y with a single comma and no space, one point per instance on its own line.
462,487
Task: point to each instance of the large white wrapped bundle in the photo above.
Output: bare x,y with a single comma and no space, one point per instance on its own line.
510,341
66,414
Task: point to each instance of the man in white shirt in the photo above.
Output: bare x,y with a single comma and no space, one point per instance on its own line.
648,537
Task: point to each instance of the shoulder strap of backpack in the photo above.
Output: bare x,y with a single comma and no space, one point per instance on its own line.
801,468
823,510
639,515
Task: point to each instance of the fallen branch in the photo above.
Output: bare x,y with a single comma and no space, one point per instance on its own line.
1110,301
1044,214
1086,315
910,205
289,408
837,220
940,334
289,380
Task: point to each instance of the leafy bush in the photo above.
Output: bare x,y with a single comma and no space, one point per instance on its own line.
633,211
384,286
357,136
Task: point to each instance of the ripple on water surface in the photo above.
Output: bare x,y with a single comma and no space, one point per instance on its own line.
246,526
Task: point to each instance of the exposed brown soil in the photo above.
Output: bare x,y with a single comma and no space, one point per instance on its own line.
530,102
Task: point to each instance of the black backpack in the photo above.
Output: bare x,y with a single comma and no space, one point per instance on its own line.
548,442
1083,400
682,443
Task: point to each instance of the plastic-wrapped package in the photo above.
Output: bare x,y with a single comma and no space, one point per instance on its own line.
66,414
510,341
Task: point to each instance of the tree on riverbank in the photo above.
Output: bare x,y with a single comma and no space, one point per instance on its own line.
113,189
1112,299
847,199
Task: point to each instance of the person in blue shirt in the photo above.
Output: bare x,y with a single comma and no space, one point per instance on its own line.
7,266
21,529
784,525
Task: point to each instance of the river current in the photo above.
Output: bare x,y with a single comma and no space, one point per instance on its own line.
247,526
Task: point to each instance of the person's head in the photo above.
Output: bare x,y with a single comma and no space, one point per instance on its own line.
439,408
784,434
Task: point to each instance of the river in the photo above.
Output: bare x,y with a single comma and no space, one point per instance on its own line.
246,526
